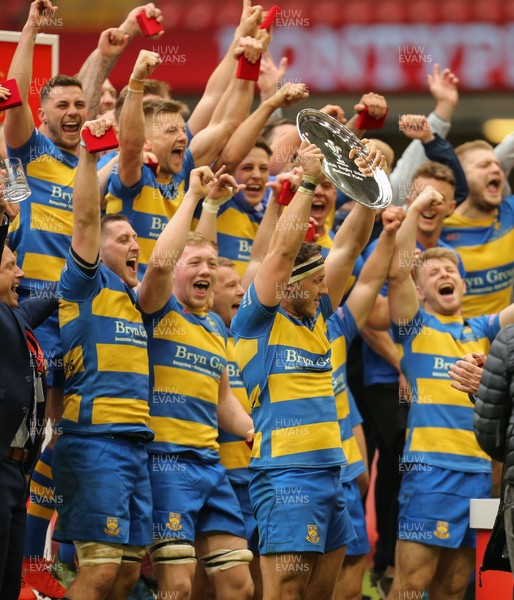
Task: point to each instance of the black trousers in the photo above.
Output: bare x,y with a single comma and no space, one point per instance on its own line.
389,421
13,517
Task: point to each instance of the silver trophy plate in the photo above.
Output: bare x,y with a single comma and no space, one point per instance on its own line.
335,142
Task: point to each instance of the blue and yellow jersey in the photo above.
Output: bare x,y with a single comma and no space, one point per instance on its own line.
486,249
234,452
376,369
286,369
341,330
440,422
105,355
40,235
325,241
149,204
187,354
237,225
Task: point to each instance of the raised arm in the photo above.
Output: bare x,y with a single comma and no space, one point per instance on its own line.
374,273
132,120
85,240
230,111
220,77
157,284
273,276
267,226
351,237
403,298
19,122
443,87
244,137
112,43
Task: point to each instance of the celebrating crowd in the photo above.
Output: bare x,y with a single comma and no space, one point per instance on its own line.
180,369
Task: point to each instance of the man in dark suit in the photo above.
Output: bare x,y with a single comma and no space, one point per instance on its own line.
22,394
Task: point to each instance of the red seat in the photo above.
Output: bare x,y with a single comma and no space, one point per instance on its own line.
455,11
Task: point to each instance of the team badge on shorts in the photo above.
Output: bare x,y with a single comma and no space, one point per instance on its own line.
174,522
112,526
312,534
441,530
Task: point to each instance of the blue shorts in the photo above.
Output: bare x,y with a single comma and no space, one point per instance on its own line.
191,497
352,495
252,534
434,505
102,490
300,510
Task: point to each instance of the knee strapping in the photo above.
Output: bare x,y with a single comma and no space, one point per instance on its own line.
222,559
92,554
133,554
171,553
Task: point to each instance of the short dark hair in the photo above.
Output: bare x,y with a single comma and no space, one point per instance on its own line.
58,81
106,220
261,143
307,251
157,107
156,87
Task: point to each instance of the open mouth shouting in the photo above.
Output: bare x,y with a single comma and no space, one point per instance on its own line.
132,264
201,287
71,127
446,289
493,185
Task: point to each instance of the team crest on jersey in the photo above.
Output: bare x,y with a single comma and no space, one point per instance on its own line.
441,530
174,522
111,526
312,534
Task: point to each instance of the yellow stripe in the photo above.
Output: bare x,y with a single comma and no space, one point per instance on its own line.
44,469
40,511
351,451
68,311
122,358
151,202
245,351
72,407
257,441
429,339
441,439
183,381
342,405
283,387
305,438
298,336
235,455
15,224
73,362
43,266
254,397
114,205
491,255
44,492
115,305
338,356
119,410
235,223
55,220
49,168
438,391
485,304
185,433
146,246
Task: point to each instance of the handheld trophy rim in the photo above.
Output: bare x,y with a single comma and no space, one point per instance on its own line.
336,141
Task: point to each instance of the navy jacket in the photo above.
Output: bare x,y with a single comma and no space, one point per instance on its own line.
16,375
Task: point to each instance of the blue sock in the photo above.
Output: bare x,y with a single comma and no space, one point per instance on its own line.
41,507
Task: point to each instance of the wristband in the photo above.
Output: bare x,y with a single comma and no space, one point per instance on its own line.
136,85
210,207
82,143
306,184
311,179
304,190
